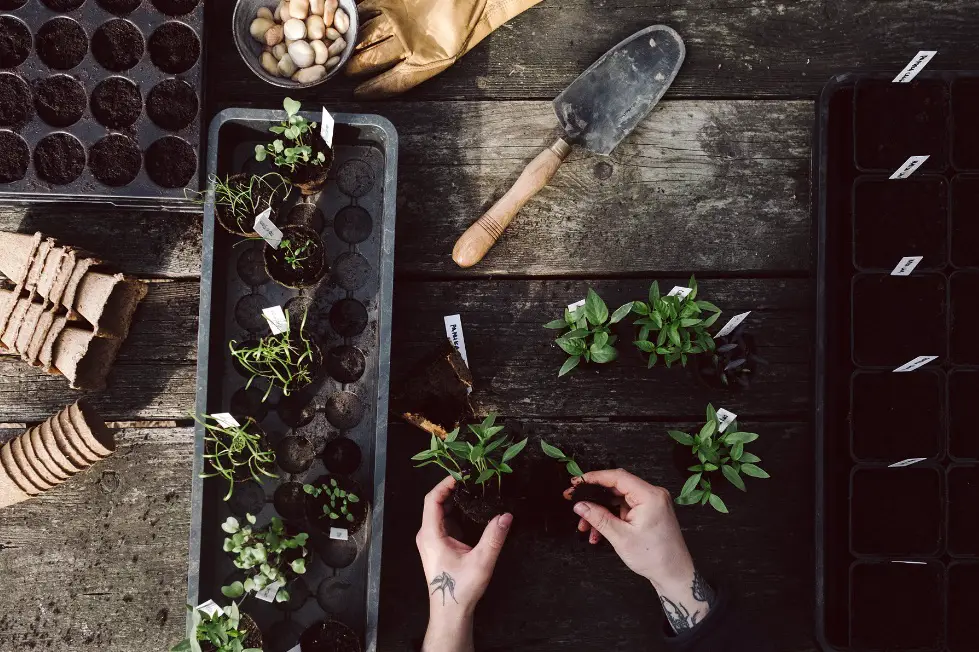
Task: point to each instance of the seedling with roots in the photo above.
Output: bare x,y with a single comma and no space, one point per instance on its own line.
222,630
232,449
555,453
296,130
587,333
285,360
263,553
339,500
679,322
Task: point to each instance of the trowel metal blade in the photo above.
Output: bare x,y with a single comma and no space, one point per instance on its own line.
606,102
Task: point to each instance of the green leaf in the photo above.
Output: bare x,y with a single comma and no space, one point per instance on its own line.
571,347
691,483
654,292
291,106
717,503
710,320
603,354
298,565
424,455
574,469
742,437
656,319
551,451
485,475
686,323
233,590
681,437
707,305
748,458
260,153
711,413
231,525
737,451
514,450
621,312
640,308
600,340
708,430
557,323
754,471
689,498
645,346
710,466
576,334
673,334
652,361
733,477
596,312
569,364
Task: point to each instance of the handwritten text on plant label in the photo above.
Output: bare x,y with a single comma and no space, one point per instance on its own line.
920,361
732,324
453,330
269,232
910,167
276,319
917,64
907,265
724,419
225,420
268,593
680,291
339,534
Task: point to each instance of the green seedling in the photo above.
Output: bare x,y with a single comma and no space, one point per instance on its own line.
679,324
556,453
263,554
244,202
294,148
296,252
222,631
228,450
339,500
587,332
285,360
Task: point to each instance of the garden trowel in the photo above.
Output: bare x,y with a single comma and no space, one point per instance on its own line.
600,108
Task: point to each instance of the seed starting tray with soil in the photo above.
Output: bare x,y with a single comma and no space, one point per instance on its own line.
339,425
100,101
897,549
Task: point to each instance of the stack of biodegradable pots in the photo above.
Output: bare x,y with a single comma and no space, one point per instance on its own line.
52,452
60,311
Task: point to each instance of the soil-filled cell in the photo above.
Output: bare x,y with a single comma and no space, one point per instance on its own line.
283,636
898,318
896,511
59,158
15,156
116,103
335,596
353,224
63,5
335,553
965,221
59,100
300,259
248,498
965,128
963,396
15,100
308,215
120,7
344,410
10,5
351,271
963,511
965,318
248,403
894,219
61,43
176,7
172,104
345,363
250,267
963,605
115,160
329,636
241,343
118,45
355,178
174,48
893,122
298,594
294,454
297,409
15,42
897,416
896,606
342,456
348,317
336,509
171,162
290,501
248,312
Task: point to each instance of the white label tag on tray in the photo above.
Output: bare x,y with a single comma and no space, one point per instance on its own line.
907,265
268,593
917,65
920,361
907,462
276,319
225,420
453,331
326,127
908,561
909,167
680,291
298,648
339,534
210,608
724,419
269,232
574,306
732,324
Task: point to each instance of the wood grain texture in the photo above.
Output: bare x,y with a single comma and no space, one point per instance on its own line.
100,563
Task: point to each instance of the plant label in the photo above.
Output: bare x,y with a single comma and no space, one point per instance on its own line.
909,167
453,330
574,306
724,419
326,127
225,420
210,607
680,291
918,362
276,319
268,593
907,265
907,462
339,534
917,65
732,324
908,561
298,648
265,228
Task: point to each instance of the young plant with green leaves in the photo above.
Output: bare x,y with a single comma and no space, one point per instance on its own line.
340,500
232,451
245,201
717,451
295,147
483,460
286,360
556,453
268,555
674,327
296,251
223,631
587,332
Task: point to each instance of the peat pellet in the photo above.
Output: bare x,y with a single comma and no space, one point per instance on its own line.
342,456
348,317
344,410
176,7
305,214
59,158
355,178
118,45
115,160
290,501
63,5
353,224
15,100
334,595
248,312
15,42
116,103
172,104
174,48
334,553
248,498
13,471
248,403
171,162
345,363
59,100
329,635
120,7
251,269
295,454
351,271
15,156
296,410
61,43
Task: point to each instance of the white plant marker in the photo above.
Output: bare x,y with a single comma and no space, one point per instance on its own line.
907,265
733,323
724,419
908,561
910,167
916,65
339,534
268,593
680,291
225,420
298,648
326,127
574,306
907,462
453,330
265,228
276,319
210,607
917,363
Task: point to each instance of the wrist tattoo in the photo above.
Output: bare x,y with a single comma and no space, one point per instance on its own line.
681,620
443,583
702,591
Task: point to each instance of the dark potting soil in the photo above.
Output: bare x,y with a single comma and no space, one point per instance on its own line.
298,594
61,43
295,454
329,636
345,363
344,410
342,456
115,160
897,416
321,520
437,388
64,5
120,7
965,221
305,214
480,503
248,497
59,158
8,5
310,269
963,525
963,605
597,494
118,45
241,220
297,409
15,156
335,553
348,317
116,103
59,100
171,162
710,368
290,501
965,316
248,403
353,224
896,121
896,511
892,221
172,104
310,178
15,42
965,132
963,388
917,303
15,100
175,7
896,606
174,48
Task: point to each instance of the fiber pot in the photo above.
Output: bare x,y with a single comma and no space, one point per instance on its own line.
265,195
83,358
963,523
329,636
965,318
963,388
963,605
897,416
896,511
896,606
310,178
309,271
319,519
108,301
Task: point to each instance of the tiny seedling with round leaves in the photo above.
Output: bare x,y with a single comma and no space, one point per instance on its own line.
231,449
285,359
296,251
556,453
294,148
338,507
717,451
263,554
587,333
222,630
679,323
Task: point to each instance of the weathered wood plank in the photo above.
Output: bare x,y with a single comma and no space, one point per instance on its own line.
100,563
554,592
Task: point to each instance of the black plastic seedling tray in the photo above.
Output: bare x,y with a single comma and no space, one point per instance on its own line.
112,118
892,542
341,420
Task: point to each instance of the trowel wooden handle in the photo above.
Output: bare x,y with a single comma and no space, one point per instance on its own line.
483,234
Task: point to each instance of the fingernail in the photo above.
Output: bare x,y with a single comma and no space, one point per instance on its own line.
576,480
581,509
505,521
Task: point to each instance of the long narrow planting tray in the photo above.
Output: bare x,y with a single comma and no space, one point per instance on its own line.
897,528
349,314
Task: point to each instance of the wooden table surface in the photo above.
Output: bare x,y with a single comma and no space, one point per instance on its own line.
716,181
